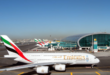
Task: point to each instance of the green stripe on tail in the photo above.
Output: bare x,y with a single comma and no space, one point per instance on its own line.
5,41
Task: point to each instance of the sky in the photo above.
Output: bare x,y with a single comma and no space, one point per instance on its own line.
20,19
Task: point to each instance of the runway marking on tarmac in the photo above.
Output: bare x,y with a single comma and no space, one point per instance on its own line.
97,73
71,73
104,67
106,71
98,69
86,67
21,73
74,72
1,71
14,71
75,68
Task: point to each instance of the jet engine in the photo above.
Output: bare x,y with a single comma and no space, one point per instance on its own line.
60,67
42,69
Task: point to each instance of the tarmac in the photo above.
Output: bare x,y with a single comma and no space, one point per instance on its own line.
103,68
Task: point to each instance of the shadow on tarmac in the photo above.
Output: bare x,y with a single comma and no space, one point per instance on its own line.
16,64
34,72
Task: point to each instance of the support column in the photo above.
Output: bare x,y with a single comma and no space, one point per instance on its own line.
95,46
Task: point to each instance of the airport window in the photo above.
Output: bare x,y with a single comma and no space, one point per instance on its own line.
102,39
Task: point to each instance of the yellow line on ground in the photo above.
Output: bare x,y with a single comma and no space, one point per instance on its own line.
86,68
98,69
76,68
97,73
60,72
15,71
63,72
104,67
106,71
83,72
21,73
1,71
71,73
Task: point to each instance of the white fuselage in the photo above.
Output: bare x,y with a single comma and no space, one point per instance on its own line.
73,58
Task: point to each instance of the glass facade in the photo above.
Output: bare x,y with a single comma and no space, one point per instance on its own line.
64,44
102,39
68,44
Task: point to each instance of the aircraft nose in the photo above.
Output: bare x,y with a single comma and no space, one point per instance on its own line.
97,60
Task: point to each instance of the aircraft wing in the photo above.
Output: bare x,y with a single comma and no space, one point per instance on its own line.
31,65
18,67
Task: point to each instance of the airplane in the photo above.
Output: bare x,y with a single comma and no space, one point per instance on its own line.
39,61
44,43
41,43
47,42
38,43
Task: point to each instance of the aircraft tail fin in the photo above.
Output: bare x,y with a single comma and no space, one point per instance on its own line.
11,47
37,41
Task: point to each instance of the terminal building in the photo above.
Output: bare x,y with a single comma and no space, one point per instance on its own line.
85,41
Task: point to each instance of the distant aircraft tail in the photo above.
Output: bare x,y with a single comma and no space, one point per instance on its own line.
41,41
12,48
46,42
37,41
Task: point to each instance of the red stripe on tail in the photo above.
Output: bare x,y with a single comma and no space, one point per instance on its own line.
39,43
20,53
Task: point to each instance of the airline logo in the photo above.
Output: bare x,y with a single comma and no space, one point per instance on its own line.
87,58
41,41
46,41
65,57
37,41
12,47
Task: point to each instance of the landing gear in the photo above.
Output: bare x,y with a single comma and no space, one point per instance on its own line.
92,66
